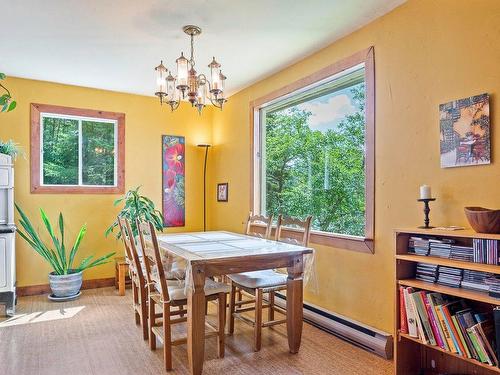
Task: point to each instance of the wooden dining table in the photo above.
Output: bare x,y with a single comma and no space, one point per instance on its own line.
217,253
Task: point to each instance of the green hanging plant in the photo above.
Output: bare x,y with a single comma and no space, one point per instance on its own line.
7,104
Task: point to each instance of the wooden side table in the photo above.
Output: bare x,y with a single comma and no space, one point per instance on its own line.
121,274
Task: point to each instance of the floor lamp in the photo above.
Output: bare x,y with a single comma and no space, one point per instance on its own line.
206,146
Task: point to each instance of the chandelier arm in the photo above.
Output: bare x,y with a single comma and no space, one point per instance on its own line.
215,103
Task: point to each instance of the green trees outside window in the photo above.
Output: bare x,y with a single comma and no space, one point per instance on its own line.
77,151
314,160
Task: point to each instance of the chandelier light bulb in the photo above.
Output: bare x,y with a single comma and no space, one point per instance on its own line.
187,83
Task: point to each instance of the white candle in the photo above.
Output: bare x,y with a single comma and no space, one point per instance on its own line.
425,192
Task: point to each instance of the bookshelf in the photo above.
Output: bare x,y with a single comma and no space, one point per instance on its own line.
411,355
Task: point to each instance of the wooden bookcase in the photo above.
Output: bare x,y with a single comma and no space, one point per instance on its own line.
413,357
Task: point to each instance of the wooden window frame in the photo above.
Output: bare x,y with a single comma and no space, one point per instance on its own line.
35,149
367,57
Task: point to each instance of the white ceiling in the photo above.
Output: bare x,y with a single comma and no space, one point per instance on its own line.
115,44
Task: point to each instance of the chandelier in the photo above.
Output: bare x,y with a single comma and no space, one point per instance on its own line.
187,84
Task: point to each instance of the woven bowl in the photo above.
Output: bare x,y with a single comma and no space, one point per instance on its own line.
483,220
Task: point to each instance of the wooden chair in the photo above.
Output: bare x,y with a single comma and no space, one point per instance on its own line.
139,286
258,283
167,294
256,221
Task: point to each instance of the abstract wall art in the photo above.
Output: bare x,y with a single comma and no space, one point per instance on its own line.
174,176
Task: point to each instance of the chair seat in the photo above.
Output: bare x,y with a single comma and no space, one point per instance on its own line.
177,292
259,279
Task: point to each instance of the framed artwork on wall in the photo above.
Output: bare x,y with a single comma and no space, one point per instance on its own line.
173,180
222,192
465,132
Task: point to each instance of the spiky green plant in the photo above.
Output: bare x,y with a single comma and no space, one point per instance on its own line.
57,257
11,148
137,207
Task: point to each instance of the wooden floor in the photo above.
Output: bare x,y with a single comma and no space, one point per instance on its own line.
96,334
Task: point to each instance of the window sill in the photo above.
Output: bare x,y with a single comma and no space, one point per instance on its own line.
38,189
359,244
340,241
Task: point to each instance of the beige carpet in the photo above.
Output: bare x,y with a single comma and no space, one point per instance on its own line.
96,334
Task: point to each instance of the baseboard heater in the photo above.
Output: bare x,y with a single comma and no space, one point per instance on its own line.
361,335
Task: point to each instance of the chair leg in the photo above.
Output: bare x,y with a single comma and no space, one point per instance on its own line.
135,299
144,314
151,323
222,324
167,341
271,307
258,320
232,300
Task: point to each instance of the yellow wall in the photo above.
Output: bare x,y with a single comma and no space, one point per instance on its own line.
427,52
145,122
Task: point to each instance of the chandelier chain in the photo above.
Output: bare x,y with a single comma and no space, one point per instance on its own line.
191,61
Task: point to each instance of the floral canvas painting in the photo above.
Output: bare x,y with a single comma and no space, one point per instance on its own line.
465,132
173,168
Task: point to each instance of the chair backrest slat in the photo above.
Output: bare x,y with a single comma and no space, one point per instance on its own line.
293,230
256,221
153,259
131,250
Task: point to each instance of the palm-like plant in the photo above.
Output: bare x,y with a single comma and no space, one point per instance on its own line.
57,257
137,207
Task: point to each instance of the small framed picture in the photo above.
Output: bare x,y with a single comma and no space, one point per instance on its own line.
222,192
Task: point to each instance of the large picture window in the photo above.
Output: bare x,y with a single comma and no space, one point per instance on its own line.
76,150
314,152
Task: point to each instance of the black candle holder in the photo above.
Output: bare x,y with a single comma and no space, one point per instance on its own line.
427,210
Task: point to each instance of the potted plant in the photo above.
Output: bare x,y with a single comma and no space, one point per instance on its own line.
137,206
10,148
6,102
66,279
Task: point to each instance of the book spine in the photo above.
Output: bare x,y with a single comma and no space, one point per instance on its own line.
419,303
463,327
490,354
461,337
453,331
477,347
446,329
410,314
418,320
402,311
432,320
496,320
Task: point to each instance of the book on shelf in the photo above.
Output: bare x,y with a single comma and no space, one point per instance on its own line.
402,311
449,323
410,312
496,322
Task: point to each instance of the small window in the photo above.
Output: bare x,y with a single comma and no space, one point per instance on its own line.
76,150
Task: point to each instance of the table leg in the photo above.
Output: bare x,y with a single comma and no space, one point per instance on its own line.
294,308
196,322
122,268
